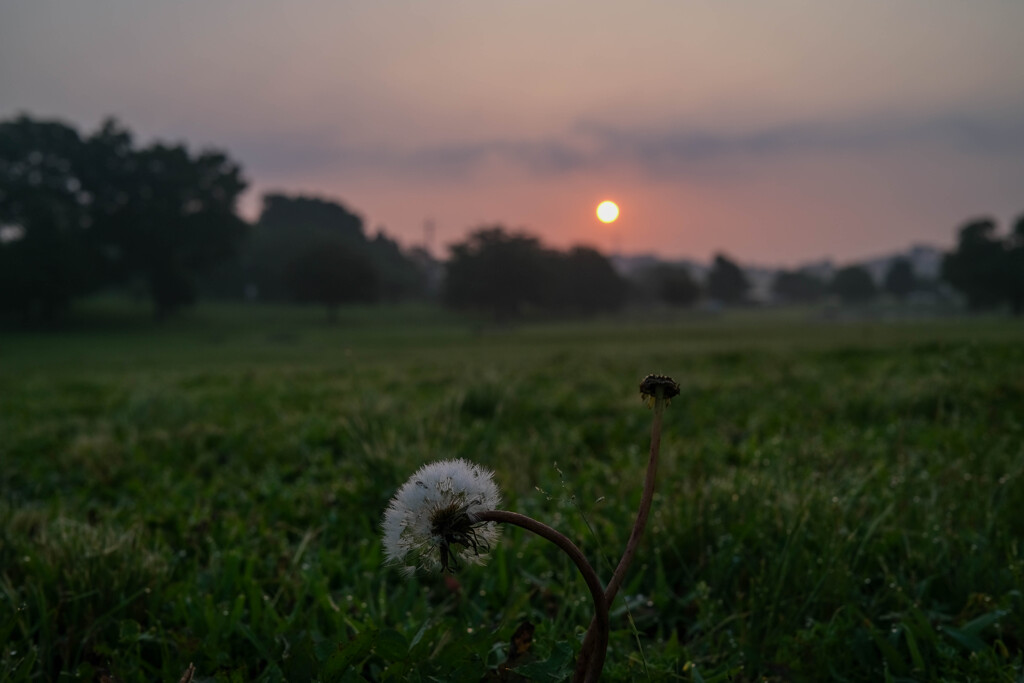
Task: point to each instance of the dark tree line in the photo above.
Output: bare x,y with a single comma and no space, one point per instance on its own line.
312,250
852,284
676,286
510,274
84,212
988,269
81,212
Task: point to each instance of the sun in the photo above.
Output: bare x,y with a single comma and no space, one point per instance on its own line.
607,211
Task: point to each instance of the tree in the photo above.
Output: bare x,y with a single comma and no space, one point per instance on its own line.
1015,267
900,279
285,212
292,225
183,209
727,282
47,257
673,284
96,211
584,281
331,274
497,270
854,285
977,267
797,286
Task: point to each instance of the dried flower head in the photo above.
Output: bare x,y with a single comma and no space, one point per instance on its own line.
652,384
431,523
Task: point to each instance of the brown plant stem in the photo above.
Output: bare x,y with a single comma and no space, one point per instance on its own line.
639,525
591,661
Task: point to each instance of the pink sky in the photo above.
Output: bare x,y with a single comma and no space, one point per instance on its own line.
774,131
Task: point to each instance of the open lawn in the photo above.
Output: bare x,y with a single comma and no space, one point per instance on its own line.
838,499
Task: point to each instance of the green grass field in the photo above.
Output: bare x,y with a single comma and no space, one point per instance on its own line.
838,500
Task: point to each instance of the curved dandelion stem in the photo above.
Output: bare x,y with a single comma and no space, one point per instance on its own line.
645,504
644,511
591,661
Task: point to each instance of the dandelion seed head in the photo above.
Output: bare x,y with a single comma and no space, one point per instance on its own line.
431,523
653,384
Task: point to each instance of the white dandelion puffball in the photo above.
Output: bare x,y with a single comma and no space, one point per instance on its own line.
431,523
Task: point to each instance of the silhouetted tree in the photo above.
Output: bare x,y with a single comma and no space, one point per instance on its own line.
331,274
797,286
978,266
286,213
1015,267
584,281
727,282
673,284
900,279
47,256
496,270
854,285
182,210
95,211
291,225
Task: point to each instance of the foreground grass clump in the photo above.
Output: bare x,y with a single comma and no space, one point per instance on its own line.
834,500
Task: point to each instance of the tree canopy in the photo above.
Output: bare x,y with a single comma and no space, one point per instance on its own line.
797,286
670,283
86,212
511,273
854,285
727,281
291,227
900,278
330,274
986,268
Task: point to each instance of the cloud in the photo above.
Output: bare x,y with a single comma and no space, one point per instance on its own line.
683,149
680,149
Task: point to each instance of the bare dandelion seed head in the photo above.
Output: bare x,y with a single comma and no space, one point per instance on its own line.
431,522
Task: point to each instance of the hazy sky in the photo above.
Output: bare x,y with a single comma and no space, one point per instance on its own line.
775,131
